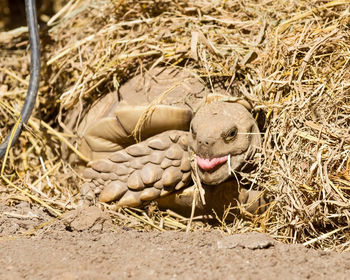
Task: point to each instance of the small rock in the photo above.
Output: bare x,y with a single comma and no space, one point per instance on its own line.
85,218
251,240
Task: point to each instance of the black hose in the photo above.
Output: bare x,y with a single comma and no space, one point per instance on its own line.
34,74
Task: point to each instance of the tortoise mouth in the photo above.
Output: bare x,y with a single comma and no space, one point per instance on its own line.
210,164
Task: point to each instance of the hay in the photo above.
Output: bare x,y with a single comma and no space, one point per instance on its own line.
288,58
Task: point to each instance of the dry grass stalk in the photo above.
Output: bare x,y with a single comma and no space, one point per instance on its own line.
295,70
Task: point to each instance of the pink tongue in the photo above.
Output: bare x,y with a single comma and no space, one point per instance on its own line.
208,164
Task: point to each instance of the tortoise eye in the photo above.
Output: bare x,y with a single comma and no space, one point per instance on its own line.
231,134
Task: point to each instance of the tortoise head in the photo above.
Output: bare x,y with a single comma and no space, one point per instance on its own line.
223,133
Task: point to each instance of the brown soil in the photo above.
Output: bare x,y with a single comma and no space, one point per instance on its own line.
84,244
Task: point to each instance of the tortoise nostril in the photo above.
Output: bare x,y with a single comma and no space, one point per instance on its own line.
204,142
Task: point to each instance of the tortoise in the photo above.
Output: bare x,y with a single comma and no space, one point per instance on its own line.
162,131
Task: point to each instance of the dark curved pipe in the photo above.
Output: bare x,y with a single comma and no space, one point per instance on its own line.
34,74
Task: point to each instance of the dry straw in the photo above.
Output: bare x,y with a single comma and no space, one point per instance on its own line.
288,58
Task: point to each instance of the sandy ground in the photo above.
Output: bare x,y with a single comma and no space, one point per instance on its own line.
85,245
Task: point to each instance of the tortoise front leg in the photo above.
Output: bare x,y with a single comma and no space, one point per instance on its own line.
140,173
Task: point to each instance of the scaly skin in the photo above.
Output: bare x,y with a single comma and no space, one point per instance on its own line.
222,135
221,131
142,172
159,168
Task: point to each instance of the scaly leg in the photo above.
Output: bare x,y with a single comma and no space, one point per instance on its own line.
142,172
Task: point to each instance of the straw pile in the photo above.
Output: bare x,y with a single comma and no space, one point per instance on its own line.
289,58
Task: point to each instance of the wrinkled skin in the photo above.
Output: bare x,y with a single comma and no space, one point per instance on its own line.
221,131
222,134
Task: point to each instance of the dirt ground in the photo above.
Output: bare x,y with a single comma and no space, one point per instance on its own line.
85,244
289,58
